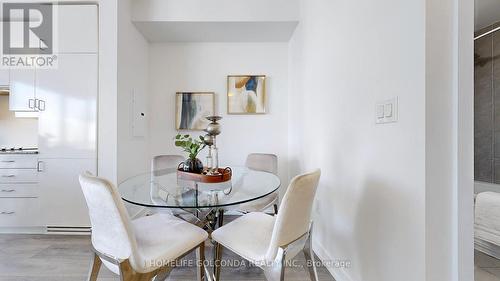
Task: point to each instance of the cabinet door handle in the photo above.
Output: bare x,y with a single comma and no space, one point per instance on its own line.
8,176
8,161
40,167
31,103
7,213
41,105
8,190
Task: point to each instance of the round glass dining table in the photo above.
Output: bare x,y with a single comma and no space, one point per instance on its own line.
202,204
163,189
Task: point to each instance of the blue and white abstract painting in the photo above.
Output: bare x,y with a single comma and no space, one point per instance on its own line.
246,94
192,110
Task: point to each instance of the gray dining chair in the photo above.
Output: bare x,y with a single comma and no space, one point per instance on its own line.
269,241
140,249
266,163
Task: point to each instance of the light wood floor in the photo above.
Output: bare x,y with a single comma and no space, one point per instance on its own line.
67,258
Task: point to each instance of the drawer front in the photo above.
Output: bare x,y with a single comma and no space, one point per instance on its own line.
18,176
19,212
18,161
18,190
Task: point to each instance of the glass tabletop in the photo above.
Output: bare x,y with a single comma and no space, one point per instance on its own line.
163,189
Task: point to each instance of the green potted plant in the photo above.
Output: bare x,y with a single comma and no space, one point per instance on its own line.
192,146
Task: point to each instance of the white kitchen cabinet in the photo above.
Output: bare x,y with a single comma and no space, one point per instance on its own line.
20,212
22,90
43,189
18,176
19,205
63,201
67,128
4,77
18,161
78,29
27,190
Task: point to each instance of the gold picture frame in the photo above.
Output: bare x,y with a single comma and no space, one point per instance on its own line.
191,108
246,94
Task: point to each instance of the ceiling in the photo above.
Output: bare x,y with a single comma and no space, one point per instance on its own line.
487,12
157,31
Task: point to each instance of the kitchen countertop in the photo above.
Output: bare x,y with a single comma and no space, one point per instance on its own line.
8,152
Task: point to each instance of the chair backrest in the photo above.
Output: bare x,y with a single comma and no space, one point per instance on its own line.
294,215
112,233
262,162
165,162
162,165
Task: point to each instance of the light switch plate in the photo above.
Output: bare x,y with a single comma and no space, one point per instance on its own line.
380,111
386,111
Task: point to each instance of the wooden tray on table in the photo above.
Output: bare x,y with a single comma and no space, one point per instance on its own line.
225,175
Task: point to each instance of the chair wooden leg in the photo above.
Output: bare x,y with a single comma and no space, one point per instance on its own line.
94,270
146,276
200,262
127,273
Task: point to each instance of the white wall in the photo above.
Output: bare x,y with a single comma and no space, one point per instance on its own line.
440,132
463,213
16,132
449,140
178,67
370,207
133,151
108,48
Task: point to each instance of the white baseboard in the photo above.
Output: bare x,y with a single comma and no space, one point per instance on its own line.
46,230
61,230
340,274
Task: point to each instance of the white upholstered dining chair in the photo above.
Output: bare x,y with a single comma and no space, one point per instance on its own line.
269,241
140,249
161,163
266,163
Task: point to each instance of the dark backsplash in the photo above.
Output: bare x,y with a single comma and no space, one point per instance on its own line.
487,108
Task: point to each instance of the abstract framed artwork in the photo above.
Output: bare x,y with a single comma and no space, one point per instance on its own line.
191,108
246,94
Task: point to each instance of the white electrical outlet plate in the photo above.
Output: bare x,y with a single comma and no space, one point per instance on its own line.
386,111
